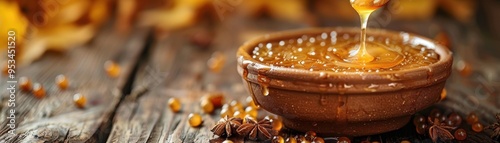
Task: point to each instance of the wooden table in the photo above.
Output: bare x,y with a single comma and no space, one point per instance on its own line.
133,107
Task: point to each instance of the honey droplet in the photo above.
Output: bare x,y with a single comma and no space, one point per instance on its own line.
226,112
207,106
227,141
278,139
112,69
454,120
174,104
216,62
291,140
477,127
421,128
460,134
79,100
318,140
38,91
472,118
216,98
251,111
62,81
195,120
464,68
419,119
443,95
236,105
265,90
238,114
25,83
310,135
344,140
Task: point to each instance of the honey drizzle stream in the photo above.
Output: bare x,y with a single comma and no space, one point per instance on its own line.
364,8
361,54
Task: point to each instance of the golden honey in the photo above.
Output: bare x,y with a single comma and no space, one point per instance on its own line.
112,69
195,120
79,100
330,51
364,8
25,83
62,82
174,104
38,90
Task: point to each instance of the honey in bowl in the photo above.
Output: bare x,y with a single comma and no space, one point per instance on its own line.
344,53
348,81
328,51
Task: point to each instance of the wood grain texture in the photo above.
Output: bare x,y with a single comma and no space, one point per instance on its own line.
55,118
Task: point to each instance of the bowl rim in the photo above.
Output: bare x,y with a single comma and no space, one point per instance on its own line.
440,69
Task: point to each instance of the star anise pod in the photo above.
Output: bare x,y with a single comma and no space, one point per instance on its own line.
226,126
439,130
496,128
254,130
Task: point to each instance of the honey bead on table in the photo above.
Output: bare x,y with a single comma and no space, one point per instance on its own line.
174,104
251,111
421,128
112,69
275,122
477,127
62,82
195,120
217,99
236,105
239,114
207,106
460,134
464,68
310,135
278,139
216,62
318,140
38,90
472,118
454,120
435,113
25,83
227,141
418,119
291,140
79,100
226,112
344,140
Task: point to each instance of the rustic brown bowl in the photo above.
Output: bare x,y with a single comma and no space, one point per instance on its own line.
346,104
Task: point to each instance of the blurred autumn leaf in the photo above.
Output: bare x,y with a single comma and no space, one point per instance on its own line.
43,25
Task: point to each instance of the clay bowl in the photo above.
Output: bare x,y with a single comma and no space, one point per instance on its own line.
332,103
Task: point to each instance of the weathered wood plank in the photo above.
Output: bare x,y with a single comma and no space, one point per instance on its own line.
55,118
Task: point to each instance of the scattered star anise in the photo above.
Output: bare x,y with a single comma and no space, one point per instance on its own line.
254,130
496,128
226,126
439,130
